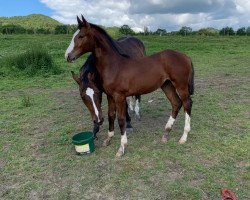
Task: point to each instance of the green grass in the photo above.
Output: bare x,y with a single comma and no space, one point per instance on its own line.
39,115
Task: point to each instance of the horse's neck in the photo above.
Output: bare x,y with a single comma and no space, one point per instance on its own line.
104,46
105,54
105,59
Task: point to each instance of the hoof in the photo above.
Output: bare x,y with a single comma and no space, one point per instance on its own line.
182,141
106,143
138,117
129,127
120,152
129,130
164,139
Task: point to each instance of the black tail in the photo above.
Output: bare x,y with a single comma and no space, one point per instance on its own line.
191,81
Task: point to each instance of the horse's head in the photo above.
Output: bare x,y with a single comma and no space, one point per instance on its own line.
92,98
81,42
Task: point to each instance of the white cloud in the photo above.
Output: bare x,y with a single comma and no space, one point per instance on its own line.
154,14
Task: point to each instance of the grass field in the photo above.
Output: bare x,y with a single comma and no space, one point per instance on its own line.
39,115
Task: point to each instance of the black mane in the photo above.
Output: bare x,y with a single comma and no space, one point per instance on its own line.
112,42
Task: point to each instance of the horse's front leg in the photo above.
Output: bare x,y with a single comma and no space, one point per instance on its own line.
121,113
111,118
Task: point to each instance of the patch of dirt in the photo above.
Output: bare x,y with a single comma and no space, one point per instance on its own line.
32,91
220,82
2,163
40,126
95,194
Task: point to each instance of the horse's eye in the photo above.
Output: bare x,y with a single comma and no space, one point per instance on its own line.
81,36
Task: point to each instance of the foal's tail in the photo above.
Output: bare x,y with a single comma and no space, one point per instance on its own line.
191,81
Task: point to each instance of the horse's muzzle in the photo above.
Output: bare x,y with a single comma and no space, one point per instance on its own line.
71,58
100,122
96,127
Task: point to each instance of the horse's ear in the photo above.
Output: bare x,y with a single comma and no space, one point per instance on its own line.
85,23
80,23
75,77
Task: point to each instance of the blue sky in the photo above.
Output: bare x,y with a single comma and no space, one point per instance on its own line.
138,14
10,8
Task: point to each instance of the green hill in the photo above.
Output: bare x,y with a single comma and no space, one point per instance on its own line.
34,21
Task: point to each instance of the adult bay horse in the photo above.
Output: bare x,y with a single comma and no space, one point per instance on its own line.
122,76
90,84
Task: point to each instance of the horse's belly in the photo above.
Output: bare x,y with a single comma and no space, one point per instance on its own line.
145,86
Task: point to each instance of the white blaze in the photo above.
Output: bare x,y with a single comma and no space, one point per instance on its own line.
90,93
71,45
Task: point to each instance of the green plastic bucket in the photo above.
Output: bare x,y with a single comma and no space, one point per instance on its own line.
84,142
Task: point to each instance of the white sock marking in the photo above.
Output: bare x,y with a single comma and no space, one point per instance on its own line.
124,141
71,45
131,104
111,134
90,93
186,128
170,123
137,108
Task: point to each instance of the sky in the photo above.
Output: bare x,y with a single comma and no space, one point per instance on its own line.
168,14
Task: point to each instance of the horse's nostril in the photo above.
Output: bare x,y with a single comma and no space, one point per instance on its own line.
68,59
71,58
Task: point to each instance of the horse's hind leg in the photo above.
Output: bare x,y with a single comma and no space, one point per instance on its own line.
129,127
175,101
137,107
131,104
187,104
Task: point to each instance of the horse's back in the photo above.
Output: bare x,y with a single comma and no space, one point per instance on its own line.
132,47
170,60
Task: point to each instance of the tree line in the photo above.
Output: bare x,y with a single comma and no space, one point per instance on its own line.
17,29
185,31
126,30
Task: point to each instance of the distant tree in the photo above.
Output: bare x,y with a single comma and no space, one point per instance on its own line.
208,32
227,31
12,29
248,31
241,31
42,31
146,30
30,31
126,30
61,29
160,32
174,33
72,29
185,31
